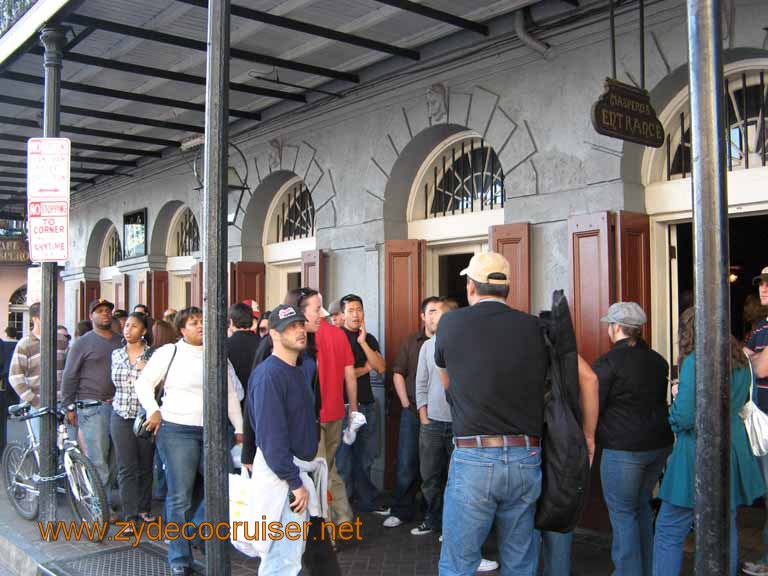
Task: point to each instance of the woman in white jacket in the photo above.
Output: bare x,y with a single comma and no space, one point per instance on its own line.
178,424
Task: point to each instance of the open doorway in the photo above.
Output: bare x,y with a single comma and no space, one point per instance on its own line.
451,284
747,259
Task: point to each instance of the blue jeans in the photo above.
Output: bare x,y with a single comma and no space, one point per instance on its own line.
181,449
487,485
628,479
284,555
354,462
435,449
672,527
94,424
407,474
556,553
763,461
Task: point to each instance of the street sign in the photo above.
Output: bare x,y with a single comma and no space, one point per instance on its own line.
625,112
48,162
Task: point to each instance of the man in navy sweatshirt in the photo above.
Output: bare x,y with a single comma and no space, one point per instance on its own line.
282,412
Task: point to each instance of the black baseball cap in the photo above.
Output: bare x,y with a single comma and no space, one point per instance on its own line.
99,302
283,316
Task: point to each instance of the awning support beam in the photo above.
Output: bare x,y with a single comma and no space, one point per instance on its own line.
245,55
92,147
114,117
438,15
173,76
123,95
312,29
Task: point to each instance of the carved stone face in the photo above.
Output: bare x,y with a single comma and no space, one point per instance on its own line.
436,103
275,153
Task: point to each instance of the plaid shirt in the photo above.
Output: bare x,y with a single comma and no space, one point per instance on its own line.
126,403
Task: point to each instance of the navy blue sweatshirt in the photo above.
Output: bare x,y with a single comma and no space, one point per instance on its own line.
282,412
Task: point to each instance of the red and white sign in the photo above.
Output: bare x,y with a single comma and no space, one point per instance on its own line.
48,162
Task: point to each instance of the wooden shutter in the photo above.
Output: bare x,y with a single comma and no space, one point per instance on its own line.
404,289
313,270
89,290
246,282
197,285
157,297
591,259
633,262
512,242
120,288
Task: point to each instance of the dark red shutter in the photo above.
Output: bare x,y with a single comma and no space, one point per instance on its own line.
157,297
633,262
89,290
197,285
313,270
513,242
246,282
404,288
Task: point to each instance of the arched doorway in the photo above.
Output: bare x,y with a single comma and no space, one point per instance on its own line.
182,250
666,175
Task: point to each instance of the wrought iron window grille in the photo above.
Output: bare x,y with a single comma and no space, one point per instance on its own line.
187,234
745,110
296,216
467,177
114,249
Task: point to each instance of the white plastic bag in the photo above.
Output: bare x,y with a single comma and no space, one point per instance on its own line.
755,421
240,511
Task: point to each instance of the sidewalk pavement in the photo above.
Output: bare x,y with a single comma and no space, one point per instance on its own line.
381,552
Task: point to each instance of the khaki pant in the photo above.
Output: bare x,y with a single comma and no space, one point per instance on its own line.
330,438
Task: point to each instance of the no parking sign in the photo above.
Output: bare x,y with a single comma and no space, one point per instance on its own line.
48,198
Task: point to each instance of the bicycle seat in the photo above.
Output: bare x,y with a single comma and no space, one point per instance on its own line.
19,409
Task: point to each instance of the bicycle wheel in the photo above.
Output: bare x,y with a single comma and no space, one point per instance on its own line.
87,496
19,472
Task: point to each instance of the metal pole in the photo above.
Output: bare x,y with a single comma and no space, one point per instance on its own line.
612,18
215,439
53,41
642,44
710,225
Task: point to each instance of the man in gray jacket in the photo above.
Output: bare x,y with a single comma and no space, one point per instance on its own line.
87,376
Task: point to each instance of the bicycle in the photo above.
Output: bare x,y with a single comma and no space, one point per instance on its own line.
21,468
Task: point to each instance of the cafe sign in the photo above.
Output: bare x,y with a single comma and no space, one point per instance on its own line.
625,112
13,250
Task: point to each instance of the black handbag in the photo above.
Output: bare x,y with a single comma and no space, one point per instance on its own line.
140,422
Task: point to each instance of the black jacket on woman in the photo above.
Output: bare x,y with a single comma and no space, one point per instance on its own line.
633,398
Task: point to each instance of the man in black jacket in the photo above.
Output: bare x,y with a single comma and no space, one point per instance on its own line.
242,344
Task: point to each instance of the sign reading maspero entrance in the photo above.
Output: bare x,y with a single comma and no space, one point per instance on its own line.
48,198
625,112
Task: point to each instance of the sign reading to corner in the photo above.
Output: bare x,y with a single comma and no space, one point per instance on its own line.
625,112
48,198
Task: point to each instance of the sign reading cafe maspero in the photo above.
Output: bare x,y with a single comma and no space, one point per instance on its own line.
625,112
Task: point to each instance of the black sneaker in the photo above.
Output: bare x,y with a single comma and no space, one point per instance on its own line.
422,529
381,510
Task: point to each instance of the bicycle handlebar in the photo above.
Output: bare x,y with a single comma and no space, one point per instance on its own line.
24,411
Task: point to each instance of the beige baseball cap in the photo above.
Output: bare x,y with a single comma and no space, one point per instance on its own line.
488,268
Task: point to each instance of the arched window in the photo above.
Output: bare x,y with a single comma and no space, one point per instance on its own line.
465,176
112,252
17,306
294,216
745,107
186,235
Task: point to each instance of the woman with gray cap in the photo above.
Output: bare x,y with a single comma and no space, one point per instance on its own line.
634,434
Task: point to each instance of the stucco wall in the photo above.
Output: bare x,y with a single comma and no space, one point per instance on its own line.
535,113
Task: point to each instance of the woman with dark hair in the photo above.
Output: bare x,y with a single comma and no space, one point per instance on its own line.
178,423
82,328
134,455
676,514
163,333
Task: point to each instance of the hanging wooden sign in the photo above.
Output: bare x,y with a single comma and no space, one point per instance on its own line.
625,112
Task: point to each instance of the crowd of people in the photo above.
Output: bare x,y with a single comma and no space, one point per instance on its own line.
472,385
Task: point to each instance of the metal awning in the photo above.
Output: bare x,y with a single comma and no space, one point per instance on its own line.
133,84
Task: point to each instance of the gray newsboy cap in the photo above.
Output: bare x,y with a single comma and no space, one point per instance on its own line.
625,313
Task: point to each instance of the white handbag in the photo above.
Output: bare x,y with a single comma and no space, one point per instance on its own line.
755,420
